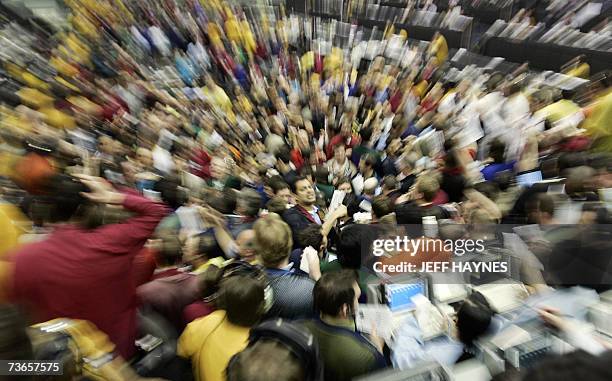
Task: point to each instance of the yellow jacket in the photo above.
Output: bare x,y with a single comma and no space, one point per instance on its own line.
210,342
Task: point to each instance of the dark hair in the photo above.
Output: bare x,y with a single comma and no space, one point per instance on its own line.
65,198
253,363
277,184
343,180
366,134
225,202
349,246
249,202
295,181
242,297
262,171
369,159
503,179
310,236
572,160
450,160
541,202
284,155
170,192
171,251
473,318
306,171
337,146
333,290
381,206
209,281
321,175
497,151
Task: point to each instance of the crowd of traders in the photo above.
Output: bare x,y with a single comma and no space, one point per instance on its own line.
176,162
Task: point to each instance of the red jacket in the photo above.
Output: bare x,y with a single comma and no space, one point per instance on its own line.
200,164
87,274
297,159
338,139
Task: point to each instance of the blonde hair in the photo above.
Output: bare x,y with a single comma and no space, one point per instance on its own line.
273,241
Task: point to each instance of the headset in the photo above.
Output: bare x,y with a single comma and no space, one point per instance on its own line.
234,268
295,338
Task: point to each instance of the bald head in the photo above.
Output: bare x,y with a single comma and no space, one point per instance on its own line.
369,186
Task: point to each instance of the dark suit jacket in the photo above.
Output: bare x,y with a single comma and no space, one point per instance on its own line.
297,218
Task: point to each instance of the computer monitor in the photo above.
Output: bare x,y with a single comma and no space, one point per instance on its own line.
527,179
398,292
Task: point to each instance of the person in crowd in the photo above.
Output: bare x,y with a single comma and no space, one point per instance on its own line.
421,205
382,207
285,167
473,320
253,364
340,165
281,189
211,341
370,186
292,291
497,152
290,344
344,138
248,204
390,188
322,183
366,166
170,289
388,165
306,213
407,176
344,185
197,117
277,205
364,148
75,263
346,352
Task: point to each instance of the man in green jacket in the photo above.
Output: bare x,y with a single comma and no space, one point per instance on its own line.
346,352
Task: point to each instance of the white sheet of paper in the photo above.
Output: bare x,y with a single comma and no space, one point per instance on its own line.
357,183
470,133
375,317
362,217
336,201
366,205
306,254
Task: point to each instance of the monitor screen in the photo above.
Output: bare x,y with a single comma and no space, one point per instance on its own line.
399,295
527,179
